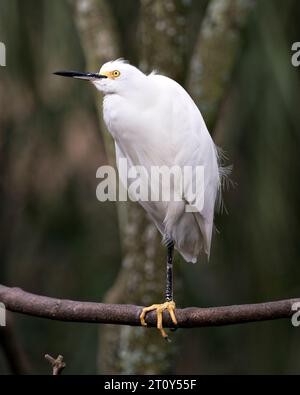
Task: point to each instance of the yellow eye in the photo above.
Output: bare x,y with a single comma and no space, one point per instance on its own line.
116,74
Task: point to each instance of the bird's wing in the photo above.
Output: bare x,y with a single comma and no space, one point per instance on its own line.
155,211
192,145
172,132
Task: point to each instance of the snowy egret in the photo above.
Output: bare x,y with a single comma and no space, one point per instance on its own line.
155,122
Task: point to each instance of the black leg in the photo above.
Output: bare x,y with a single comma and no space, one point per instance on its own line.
169,305
169,283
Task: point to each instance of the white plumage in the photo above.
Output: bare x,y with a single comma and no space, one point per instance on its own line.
154,122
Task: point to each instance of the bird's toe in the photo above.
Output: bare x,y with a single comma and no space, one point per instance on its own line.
160,308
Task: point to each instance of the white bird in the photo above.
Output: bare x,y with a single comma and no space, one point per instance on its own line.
155,122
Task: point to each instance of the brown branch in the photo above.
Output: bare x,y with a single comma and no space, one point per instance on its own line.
57,364
19,301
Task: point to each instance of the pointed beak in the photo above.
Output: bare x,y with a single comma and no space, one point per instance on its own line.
81,76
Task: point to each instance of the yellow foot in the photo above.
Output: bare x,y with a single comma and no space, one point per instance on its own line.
160,308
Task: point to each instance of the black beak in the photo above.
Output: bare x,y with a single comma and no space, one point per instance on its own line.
81,76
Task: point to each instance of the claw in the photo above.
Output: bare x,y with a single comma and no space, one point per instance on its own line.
160,308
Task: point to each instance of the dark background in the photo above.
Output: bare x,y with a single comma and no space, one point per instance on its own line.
57,240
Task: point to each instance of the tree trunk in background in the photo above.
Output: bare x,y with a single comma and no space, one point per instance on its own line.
163,38
162,32
216,53
142,276
100,41
167,37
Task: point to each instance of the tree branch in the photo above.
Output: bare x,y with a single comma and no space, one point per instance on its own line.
19,301
216,53
57,364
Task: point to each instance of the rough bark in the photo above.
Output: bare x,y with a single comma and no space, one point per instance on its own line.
17,300
164,39
101,43
215,54
97,31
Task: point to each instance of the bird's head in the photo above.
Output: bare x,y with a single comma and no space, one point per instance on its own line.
114,77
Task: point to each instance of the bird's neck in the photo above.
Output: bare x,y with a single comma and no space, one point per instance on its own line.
140,93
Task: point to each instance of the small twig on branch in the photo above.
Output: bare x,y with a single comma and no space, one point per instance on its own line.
19,301
58,364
